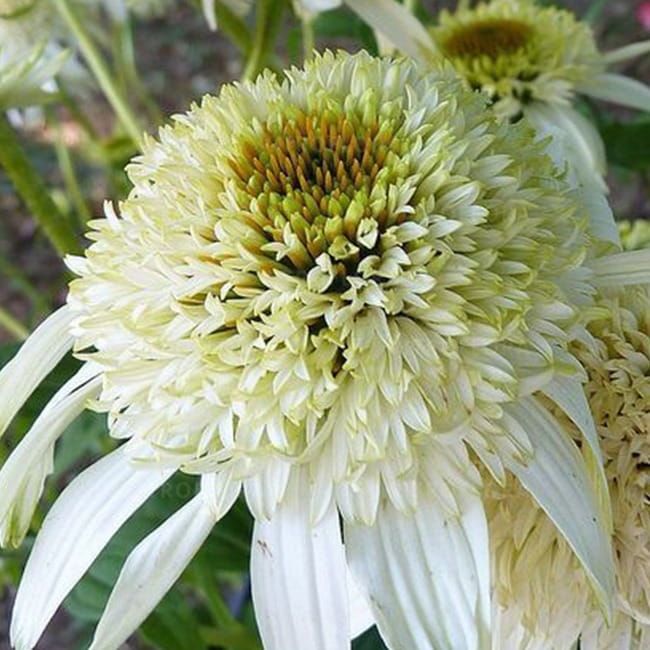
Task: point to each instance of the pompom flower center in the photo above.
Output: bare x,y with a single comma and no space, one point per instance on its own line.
307,179
490,37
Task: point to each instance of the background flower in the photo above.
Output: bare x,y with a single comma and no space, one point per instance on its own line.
544,602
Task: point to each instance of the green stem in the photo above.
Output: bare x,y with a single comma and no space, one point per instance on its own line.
70,177
69,102
99,68
308,37
14,327
266,22
30,187
124,55
23,284
234,27
411,5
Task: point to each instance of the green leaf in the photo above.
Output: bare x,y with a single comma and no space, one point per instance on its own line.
624,143
173,625
369,640
343,23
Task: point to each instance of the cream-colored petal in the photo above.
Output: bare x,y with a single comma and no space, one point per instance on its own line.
298,575
626,52
618,89
398,25
79,525
151,570
37,357
426,573
557,479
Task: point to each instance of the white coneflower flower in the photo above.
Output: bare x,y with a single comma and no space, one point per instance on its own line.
324,291
543,594
530,59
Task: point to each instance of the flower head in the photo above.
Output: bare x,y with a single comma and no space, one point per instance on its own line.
533,60
520,53
540,587
324,290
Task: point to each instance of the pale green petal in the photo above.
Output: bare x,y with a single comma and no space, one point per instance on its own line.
569,395
622,269
627,52
298,575
37,357
557,479
79,525
618,89
151,570
398,25
427,574
24,473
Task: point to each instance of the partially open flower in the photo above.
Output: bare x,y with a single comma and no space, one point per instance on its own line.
541,590
327,291
531,59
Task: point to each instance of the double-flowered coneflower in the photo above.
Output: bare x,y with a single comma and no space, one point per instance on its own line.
543,597
341,294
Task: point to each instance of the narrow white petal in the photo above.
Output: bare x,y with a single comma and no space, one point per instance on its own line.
37,357
621,269
569,395
79,525
618,89
361,616
427,574
298,574
627,52
557,478
209,13
151,570
398,25
23,474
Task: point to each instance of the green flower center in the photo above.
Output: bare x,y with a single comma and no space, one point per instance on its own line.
491,37
310,182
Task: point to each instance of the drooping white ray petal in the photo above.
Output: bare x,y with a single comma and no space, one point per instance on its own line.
361,616
557,479
298,575
209,13
24,473
585,143
34,361
398,25
151,570
618,89
569,395
626,52
79,525
621,269
427,574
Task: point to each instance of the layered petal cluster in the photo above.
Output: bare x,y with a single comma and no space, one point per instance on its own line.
340,293
542,593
